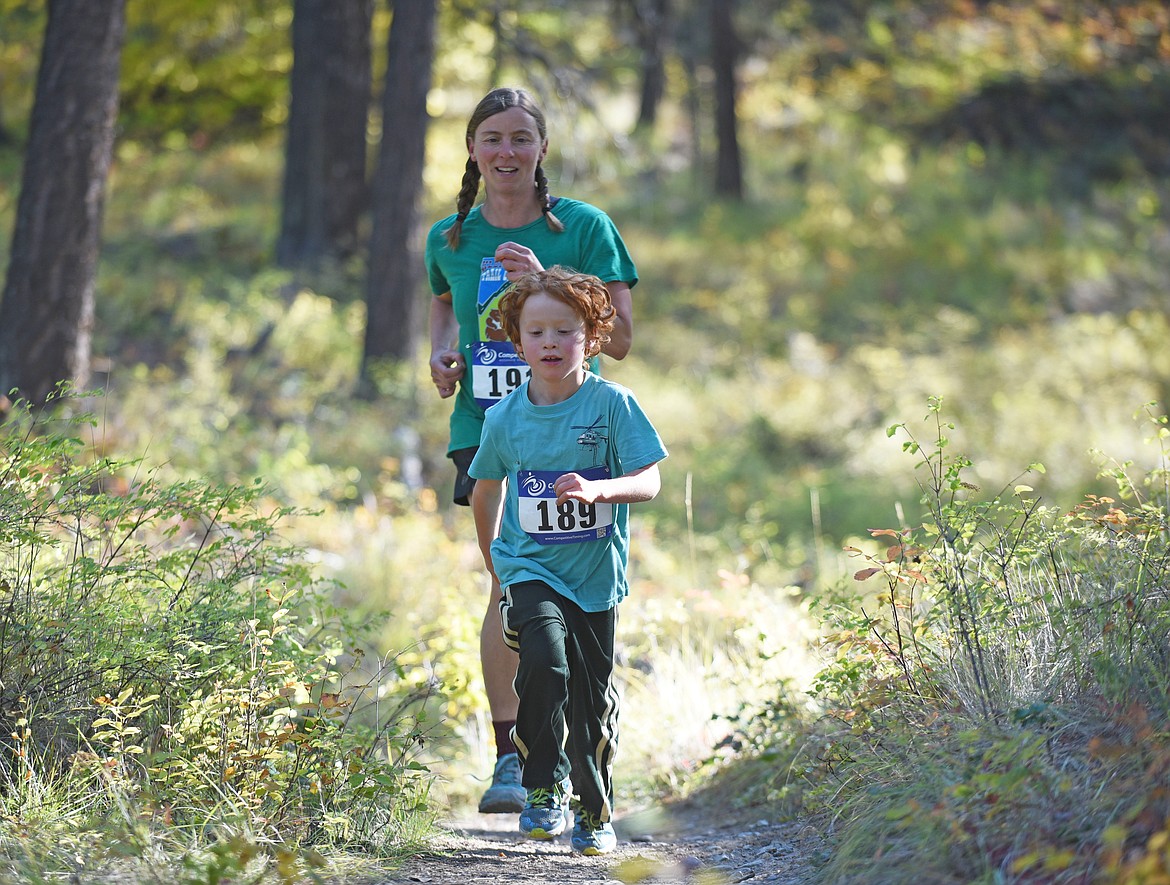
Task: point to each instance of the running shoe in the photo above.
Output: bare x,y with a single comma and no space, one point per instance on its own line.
505,795
546,812
591,836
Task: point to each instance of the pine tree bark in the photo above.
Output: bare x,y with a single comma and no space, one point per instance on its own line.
724,56
393,296
651,19
325,193
47,310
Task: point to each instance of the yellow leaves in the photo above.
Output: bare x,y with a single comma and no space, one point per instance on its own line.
1050,860
637,869
1148,866
907,809
1115,516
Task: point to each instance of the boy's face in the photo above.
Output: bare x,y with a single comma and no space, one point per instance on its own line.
553,338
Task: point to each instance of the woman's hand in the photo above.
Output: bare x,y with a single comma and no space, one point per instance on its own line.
447,367
517,260
447,363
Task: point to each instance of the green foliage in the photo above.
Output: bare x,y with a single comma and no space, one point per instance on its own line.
992,703
24,24
997,685
166,660
202,70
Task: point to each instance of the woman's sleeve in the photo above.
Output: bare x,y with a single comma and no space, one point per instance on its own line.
606,254
439,283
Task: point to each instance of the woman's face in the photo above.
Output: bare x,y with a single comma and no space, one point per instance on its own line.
506,147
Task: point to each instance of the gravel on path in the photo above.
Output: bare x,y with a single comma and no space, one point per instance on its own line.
684,844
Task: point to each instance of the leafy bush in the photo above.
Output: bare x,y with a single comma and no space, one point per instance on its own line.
171,668
996,705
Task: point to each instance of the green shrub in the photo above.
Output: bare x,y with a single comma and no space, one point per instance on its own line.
169,663
995,708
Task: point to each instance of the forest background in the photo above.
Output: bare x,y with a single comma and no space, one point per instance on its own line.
240,617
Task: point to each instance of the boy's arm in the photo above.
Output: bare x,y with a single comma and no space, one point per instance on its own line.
631,488
487,505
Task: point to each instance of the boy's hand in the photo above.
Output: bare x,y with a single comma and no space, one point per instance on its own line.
573,486
630,488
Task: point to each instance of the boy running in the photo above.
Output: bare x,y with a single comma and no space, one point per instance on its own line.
576,451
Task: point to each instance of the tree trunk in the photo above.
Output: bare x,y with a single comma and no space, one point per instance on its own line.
650,18
46,315
393,299
325,192
724,54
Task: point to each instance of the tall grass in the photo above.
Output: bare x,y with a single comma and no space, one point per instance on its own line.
996,706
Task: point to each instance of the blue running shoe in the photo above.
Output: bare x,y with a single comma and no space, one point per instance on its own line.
591,836
505,795
546,813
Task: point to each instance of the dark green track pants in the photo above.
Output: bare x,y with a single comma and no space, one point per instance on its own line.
567,722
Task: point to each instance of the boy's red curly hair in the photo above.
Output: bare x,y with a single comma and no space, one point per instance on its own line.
583,292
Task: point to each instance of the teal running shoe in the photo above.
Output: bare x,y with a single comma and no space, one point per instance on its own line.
591,836
505,795
546,811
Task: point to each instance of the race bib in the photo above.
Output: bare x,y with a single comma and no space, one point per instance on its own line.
496,368
569,523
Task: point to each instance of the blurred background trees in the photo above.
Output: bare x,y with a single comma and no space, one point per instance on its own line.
324,193
393,308
954,202
205,72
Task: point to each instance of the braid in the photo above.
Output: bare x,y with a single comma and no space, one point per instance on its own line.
554,223
491,104
466,199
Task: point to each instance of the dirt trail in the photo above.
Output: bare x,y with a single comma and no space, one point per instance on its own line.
684,844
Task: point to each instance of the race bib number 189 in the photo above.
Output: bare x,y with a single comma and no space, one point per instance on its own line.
569,523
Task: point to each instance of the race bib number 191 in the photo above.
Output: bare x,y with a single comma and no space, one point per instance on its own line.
496,368
569,523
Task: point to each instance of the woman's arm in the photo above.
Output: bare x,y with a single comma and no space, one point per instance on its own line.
447,365
622,336
518,259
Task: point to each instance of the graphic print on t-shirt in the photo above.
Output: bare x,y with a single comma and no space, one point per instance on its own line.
496,368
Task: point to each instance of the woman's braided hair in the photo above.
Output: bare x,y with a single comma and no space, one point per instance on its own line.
491,104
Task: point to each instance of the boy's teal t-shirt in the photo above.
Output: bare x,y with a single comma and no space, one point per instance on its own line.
580,551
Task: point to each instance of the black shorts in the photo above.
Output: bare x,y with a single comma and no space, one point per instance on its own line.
463,481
